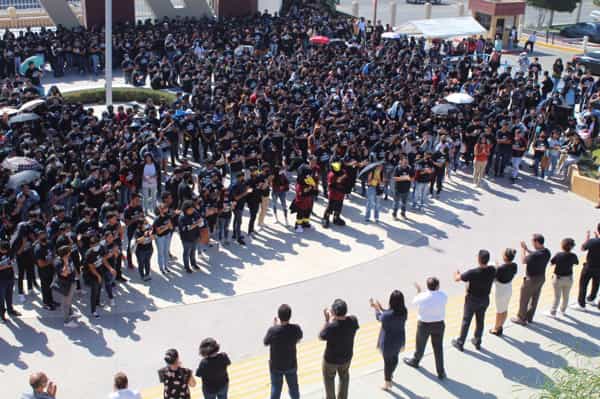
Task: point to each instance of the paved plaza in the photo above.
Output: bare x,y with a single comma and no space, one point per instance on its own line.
235,296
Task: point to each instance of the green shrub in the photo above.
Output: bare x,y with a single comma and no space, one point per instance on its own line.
573,383
120,95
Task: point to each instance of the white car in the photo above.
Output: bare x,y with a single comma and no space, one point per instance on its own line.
595,15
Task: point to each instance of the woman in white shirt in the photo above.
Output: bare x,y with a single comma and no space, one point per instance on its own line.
150,181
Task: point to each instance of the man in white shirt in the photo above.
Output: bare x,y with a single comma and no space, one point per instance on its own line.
121,390
431,306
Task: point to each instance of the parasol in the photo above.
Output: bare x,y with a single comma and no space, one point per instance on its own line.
444,109
369,168
25,177
393,35
37,60
319,40
459,98
22,118
31,105
18,164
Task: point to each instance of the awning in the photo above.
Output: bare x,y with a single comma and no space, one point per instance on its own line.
442,28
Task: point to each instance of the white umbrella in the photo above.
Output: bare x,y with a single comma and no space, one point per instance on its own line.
459,98
25,177
17,164
393,35
22,118
30,105
8,110
244,48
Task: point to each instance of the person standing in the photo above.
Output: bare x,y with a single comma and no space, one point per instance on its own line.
41,387
143,249
423,173
591,269
482,153
402,176
282,339
480,280
306,187
133,215
163,229
562,279
503,288
431,313
392,336
238,191
336,182
177,380
535,276
519,147
280,185
338,331
7,282
121,388
374,188
65,282
213,370
189,231
531,41
44,260
150,182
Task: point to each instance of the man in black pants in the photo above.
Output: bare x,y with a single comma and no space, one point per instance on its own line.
480,281
133,215
431,314
591,269
45,262
254,197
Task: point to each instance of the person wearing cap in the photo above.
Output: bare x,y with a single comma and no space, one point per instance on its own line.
7,282
338,332
177,380
189,224
44,261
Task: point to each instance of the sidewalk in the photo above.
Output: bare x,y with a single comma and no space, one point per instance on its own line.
513,366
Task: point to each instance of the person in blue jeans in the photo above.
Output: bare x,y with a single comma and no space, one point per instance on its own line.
282,339
374,184
213,370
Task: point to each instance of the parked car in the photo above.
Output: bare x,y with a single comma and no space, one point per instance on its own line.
589,29
423,1
591,61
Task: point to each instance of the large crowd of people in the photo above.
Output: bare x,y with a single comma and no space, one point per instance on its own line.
283,119
262,116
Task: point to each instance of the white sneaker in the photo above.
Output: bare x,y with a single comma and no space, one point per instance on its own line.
112,303
21,298
299,229
551,314
71,324
96,315
577,307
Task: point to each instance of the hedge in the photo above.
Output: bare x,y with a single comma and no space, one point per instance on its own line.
120,95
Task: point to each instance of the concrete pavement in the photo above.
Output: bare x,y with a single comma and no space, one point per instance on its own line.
370,260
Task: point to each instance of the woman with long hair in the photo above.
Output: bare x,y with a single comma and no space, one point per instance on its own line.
392,336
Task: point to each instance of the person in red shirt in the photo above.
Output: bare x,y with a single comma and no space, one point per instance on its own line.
336,181
306,187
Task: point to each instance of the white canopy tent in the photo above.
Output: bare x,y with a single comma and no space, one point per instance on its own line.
443,28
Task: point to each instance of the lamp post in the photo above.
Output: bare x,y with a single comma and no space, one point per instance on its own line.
108,50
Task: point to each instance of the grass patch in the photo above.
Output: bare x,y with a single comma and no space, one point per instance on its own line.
120,94
573,383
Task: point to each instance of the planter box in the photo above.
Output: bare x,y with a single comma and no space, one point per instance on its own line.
584,186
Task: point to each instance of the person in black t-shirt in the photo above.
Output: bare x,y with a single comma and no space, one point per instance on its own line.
402,176
504,139
536,262
562,279
143,251
7,282
282,339
44,261
591,268
504,277
163,230
213,370
133,215
480,280
339,331
177,380
519,147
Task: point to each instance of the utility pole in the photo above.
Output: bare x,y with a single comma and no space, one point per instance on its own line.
108,50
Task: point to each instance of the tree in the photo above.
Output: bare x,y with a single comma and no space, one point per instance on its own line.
555,5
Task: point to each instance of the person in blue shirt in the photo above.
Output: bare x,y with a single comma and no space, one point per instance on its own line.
392,336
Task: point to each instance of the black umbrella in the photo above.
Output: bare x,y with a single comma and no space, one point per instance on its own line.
444,109
370,167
